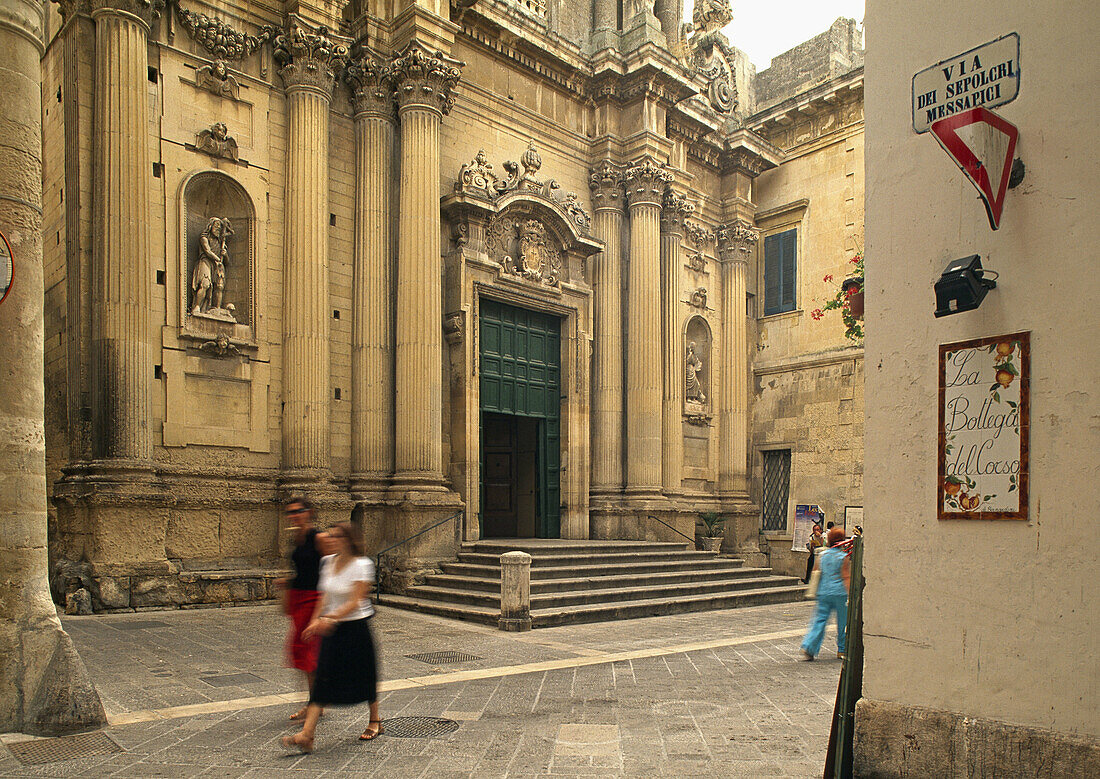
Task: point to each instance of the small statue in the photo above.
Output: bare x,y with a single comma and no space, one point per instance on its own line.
217,79
217,142
208,279
694,367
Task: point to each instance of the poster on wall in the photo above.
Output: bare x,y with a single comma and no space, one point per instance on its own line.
805,516
984,414
853,518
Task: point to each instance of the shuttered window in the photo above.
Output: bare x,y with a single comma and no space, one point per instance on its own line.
780,271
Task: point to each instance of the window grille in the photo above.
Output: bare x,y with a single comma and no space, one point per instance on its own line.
777,487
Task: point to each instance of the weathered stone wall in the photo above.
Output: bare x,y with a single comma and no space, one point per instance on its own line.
832,53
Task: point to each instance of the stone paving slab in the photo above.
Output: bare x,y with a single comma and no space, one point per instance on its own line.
610,699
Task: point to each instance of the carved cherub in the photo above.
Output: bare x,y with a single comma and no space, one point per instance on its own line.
217,142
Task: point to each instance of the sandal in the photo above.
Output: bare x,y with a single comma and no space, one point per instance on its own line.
299,742
370,734
300,715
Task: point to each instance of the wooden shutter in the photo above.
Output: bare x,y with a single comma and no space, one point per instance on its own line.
771,274
789,270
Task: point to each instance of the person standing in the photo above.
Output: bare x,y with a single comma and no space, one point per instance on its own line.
832,596
347,667
300,594
816,542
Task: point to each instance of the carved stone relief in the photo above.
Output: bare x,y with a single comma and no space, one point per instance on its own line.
478,178
310,57
698,298
224,43
713,55
217,142
736,241
525,249
215,77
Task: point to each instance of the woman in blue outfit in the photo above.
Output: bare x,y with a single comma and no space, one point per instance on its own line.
832,595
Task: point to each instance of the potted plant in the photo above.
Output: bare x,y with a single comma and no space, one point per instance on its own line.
713,523
849,299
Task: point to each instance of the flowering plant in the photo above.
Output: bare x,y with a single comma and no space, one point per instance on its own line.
842,299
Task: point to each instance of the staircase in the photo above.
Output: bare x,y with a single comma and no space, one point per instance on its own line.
595,581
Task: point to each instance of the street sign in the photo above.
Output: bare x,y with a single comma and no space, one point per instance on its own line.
986,76
7,267
982,144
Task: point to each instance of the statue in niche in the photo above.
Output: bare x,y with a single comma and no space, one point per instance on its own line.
694,367
217,79
208,279
217,142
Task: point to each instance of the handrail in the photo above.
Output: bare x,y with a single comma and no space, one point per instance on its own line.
670,527
422,531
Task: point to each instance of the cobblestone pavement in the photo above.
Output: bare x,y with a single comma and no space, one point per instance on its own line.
202,692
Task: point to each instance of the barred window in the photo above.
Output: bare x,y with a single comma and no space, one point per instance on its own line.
777,487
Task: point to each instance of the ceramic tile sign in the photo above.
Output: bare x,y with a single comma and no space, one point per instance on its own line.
984,412
7,267
988,75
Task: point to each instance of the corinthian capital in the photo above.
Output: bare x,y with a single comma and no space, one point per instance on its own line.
735,241
309,58
425,79
646,182
146,10
606,182
676,210
370,79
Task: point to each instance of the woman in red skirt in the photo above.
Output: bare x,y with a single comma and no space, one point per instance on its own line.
300,595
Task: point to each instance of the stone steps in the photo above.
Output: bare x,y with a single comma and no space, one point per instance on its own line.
580,581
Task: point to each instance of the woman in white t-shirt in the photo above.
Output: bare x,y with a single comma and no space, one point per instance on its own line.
347,669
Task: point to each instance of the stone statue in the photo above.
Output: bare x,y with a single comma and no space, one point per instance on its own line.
217,79
217,142
208,279
694,367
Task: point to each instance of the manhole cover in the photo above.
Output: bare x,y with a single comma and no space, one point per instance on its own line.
53,750
232,680
419,727
139,625
443,658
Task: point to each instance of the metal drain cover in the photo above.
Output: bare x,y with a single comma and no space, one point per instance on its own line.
40,751
443,658
419,727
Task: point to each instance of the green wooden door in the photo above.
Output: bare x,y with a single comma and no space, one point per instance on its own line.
521,375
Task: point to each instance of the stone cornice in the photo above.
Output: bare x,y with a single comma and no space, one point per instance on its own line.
309,58
370,78
606,182
675,213
736,241
821,98
425,79
747,153
645,182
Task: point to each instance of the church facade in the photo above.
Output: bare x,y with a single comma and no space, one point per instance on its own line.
506,267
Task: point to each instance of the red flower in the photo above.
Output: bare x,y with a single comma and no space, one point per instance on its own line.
817,313
828,277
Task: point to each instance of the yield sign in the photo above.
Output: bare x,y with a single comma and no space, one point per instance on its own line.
982,144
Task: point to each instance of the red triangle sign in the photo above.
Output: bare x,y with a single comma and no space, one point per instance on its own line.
983,145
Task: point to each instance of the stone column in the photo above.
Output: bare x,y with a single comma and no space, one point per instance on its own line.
605,16
308,60
605,181
44,687
645,184
372,294
735,244
424,83
673,217
122,364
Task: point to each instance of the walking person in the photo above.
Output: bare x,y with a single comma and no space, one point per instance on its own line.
300,594
347,668
832,595
816,542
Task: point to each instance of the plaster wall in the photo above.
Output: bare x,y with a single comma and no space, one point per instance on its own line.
988,619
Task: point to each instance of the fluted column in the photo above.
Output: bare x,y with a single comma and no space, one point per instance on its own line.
424,81
735,244
676,211
605,181
372,296
121,347
645,184
309,60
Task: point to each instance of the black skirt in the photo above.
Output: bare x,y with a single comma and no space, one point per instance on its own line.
347,668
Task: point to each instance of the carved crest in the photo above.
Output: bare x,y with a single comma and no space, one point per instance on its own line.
525,250
478,178
713,55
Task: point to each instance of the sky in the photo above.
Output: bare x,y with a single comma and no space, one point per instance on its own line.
764,29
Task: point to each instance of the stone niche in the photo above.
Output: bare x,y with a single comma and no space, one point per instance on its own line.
698,385
217,222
